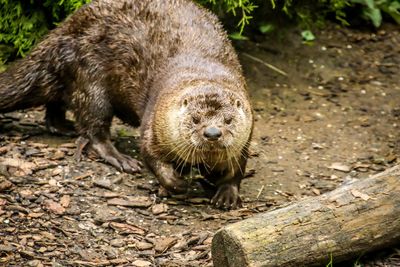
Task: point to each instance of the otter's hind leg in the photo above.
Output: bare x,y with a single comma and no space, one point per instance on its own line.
56,122
94,113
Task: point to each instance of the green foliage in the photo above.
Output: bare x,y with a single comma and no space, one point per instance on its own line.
24,22
308,36
241,8
330,263
372,10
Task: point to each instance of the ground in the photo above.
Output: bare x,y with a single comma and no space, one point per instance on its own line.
333,117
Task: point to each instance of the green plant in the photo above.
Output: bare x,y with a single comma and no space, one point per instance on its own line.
24,22
330,263
372,10
242,8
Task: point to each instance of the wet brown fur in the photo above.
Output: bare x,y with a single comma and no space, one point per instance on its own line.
131,59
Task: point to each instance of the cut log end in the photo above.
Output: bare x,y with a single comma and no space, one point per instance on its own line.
347,222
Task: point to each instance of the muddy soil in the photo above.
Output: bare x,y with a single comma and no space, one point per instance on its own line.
334,117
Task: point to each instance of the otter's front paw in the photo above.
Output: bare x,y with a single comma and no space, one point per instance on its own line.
227,197
120,161
170,180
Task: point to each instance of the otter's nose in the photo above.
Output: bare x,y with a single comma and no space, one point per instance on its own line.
212,133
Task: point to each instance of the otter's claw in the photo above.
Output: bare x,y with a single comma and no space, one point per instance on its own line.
110,154
169,179
227,197
81,143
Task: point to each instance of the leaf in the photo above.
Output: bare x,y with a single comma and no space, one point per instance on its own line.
374,14
266,28
307,35
237,36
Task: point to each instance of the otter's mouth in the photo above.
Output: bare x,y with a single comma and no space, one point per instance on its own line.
213,147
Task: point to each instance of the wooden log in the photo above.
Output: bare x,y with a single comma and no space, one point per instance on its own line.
353,219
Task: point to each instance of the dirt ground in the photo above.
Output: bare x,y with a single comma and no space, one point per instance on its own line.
334,117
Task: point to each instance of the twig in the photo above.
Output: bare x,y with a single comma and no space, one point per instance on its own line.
98,263
83,176
272,67
260,191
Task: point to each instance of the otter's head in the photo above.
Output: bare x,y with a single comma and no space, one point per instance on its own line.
207,124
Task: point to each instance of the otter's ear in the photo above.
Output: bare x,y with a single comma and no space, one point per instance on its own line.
238,103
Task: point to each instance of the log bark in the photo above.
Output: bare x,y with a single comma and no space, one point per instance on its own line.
344,223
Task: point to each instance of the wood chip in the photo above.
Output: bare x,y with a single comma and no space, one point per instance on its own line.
103,183
141,263
5,185
58,155
35,214
124,228
159,208
54,207
357,193
65,201
24,167
144,245
340,167
83,176
134,202
163,244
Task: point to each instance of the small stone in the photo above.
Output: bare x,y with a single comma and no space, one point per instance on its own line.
65,201
53,182
141,263
119,242
340,167
58,155
144,245
103,183
159,208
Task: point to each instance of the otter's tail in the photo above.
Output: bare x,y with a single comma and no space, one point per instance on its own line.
27,83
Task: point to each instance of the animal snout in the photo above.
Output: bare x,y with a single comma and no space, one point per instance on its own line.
212,133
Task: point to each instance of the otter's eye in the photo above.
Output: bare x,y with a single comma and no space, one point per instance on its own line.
228,120
196,119
238,103
185,102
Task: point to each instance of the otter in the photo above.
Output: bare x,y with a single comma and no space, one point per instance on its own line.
166,66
